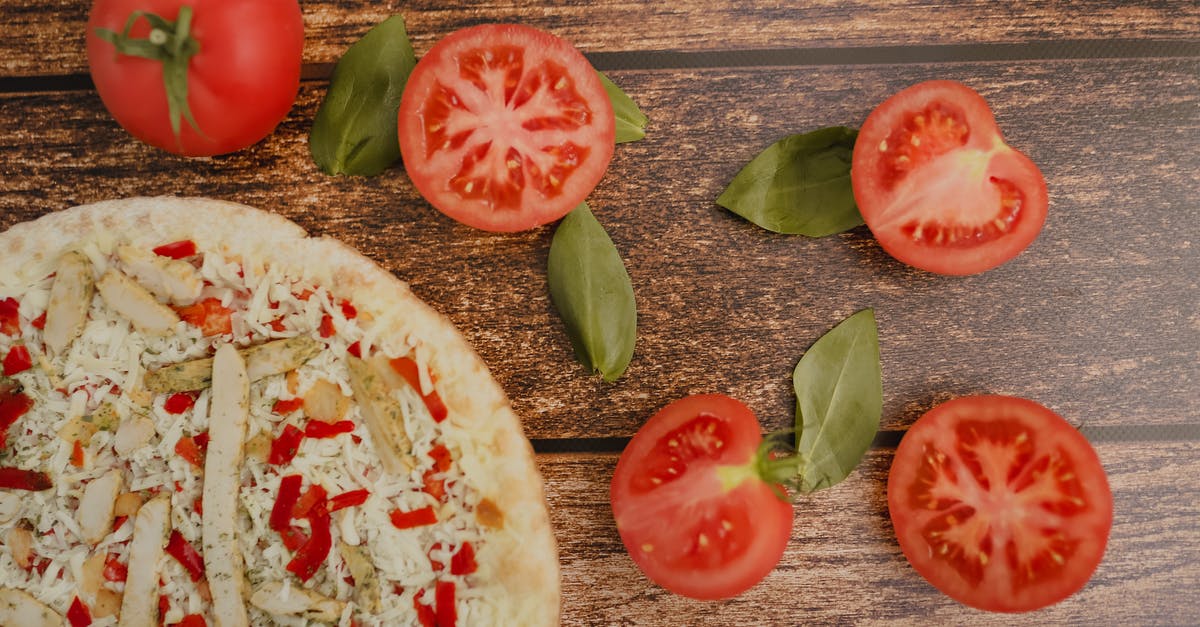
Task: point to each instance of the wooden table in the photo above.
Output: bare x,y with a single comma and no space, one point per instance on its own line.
1099,319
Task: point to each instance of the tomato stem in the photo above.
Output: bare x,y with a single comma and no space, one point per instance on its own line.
171,44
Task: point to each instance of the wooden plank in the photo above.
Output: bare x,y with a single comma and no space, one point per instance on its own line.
1099,319
843,565
45,37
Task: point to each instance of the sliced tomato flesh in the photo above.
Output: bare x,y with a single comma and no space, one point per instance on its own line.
505,127
1000,511
937,185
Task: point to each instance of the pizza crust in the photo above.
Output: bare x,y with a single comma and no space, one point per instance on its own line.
520,557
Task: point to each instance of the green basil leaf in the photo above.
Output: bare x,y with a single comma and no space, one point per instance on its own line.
593,294
839,400
799,185
355,128
631,122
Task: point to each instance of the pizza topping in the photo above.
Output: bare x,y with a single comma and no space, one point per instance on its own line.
383,415
96,506
134,433
19,541
114,569
352,498
18,479
324,401
17,360
285,447
285,503
222,467
70,299
410,373
192,620
150,527
170,279
310,556
313,497
415,518
17,607
78,615
366,581
209,315
186,554
193,448
10,507
274,597
179,402
447,611
262,360
10,317
463,562
13,405
133,302
319,430
177,250
284,407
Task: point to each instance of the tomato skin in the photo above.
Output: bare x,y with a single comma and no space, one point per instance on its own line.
507,139
241,83
937,185
690,508
1023,482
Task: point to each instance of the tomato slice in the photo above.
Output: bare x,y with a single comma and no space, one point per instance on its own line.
505,127
692,512
937,185
999,503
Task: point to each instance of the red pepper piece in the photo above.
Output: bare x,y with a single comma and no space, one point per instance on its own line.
285,447
314,497
426,615
447,612
39,322
177,250
77,454
348,310
210,315
463,562
415,518
114,570
10,317
13,405
78,614
355,349
309,558
17,479
285,502
182,550
192,620
347,499
436,487
407,368
164,604
319,429
179,402
285,407
293,537
326,329
193,448
17,360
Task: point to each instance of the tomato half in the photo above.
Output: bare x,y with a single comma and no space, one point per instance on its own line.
689,505
240,83
505,127
999,503
937,185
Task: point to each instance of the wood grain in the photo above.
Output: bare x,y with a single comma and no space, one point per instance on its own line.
1099,319
45,37
843,566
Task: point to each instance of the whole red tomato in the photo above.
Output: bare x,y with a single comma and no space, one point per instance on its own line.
196,78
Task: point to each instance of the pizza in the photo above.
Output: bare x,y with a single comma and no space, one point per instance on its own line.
209,418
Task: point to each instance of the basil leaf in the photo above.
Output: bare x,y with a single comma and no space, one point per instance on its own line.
839,400
799,185
355,128
631,122
592,293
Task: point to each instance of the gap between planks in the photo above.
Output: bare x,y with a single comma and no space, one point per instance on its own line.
890,439
1075,49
